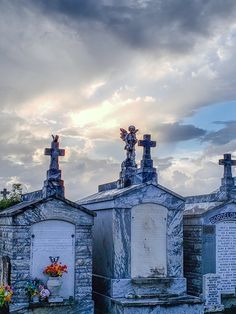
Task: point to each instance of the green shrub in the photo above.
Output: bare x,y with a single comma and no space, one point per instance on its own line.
13,198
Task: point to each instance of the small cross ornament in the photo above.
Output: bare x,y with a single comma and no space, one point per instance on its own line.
4,193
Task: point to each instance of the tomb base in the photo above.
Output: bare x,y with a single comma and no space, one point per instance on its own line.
163,305
65,307
144,296
140,287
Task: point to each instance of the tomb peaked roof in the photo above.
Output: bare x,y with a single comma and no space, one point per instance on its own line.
225,192
115,193
204,211
21,207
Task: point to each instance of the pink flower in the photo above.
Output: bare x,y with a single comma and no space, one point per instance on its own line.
44,293
41,287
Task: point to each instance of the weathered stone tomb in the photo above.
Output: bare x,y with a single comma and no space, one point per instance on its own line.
48,225
209,242
138,241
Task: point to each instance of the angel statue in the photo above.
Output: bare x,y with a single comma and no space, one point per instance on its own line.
129,137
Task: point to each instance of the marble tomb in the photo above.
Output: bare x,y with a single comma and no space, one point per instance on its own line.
209,242
138,241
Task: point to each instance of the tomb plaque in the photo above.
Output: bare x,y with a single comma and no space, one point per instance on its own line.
211,292
226,255
56,239
148,241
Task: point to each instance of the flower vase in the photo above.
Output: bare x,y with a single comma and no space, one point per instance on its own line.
54,286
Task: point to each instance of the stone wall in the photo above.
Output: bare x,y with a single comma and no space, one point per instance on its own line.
6,237
6,249
83,263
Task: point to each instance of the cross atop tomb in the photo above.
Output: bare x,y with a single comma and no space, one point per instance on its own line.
147,171
147,144
4,193
54,152
227,162
53,184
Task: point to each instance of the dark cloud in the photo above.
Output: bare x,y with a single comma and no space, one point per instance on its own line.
176,132
224,135
166,24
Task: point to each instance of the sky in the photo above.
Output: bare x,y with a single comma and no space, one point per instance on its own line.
85,69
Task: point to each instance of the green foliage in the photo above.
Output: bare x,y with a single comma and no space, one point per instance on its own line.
14,197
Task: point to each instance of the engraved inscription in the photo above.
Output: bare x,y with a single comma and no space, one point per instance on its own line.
211,291
226,255
148,241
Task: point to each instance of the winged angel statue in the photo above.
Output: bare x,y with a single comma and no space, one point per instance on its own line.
129,137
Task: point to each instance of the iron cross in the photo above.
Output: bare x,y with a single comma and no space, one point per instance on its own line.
147,144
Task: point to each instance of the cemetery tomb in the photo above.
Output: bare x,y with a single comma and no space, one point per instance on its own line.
44,228
209,241
138,241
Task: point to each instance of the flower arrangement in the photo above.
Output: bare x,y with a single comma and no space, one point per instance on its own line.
32,288
36,288
55,270
6,293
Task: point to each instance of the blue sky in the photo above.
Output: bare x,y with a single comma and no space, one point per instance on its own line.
207,116
83,69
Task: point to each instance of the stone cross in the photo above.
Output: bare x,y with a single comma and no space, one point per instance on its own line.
147,144
54,152
228,163
4,193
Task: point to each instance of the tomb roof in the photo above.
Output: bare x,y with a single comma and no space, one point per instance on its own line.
21,207
115,193
200,211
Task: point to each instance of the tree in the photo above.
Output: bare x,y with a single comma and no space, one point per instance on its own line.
14,196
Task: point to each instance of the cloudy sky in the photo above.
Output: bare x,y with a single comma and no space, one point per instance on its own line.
83,69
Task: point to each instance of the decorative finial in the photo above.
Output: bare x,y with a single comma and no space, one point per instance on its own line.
147,171
54,185
55,138
4,193
54,152
128,167
227,180
130,141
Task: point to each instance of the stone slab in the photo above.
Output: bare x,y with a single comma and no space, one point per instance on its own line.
212,292
179,305
148,241
226,255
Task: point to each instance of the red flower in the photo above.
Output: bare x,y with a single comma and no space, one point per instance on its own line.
55,270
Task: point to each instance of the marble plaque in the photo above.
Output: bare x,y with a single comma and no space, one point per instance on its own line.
54,238
226,255
212,292
148,241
